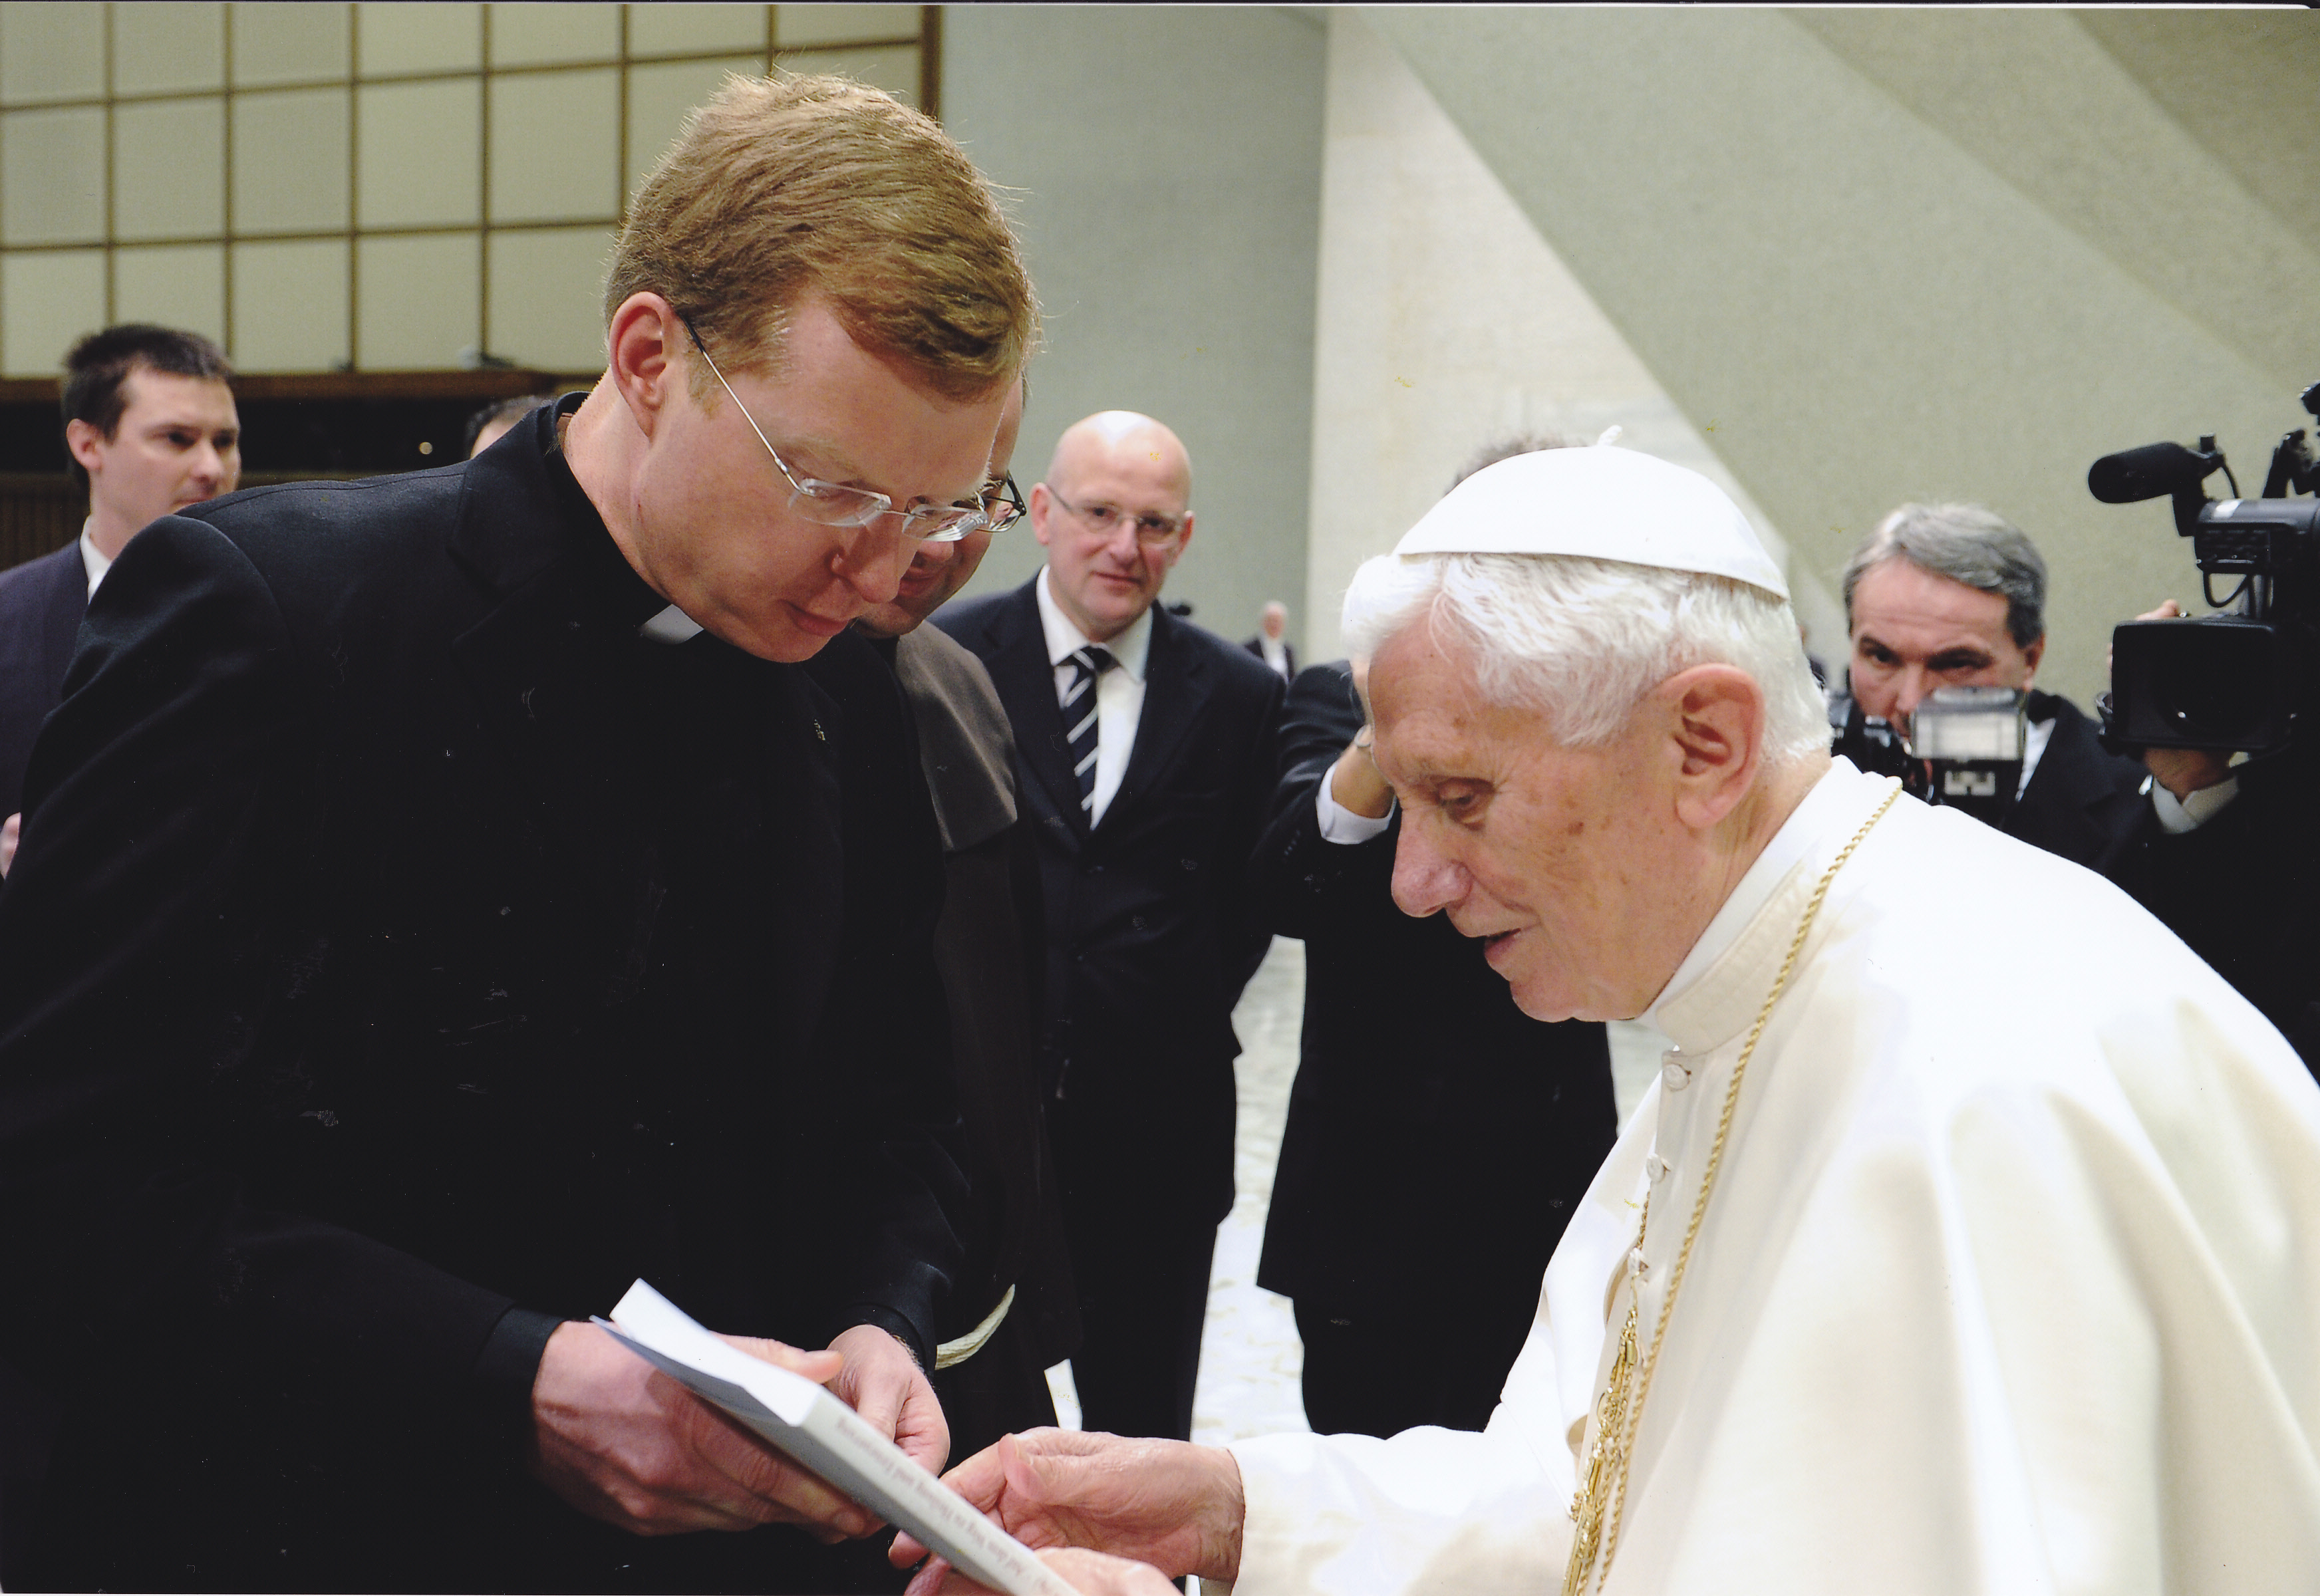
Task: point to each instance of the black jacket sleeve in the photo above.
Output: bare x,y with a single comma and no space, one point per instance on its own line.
1302,882
2244,892
144,952
1251,797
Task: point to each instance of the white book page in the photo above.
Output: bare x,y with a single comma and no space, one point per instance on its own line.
808,1424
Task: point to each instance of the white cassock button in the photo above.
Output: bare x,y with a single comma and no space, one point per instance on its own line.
1655,1169
1674,1076
1636,1266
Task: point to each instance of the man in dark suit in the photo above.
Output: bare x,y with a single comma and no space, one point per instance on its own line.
1145,757
1271,643
1951,595
443,902
149,428
1015,1314
1438,1138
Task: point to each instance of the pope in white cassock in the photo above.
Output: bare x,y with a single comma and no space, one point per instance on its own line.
1970,1238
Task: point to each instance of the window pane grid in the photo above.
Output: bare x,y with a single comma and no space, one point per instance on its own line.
287,202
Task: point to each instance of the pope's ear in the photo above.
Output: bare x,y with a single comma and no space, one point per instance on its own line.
645,343
1715,719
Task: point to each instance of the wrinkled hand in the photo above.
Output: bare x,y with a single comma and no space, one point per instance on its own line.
1092,1573
1167,1504
622,1442
881,1383
2181,771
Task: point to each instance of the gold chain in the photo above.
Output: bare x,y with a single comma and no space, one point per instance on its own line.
1618,1412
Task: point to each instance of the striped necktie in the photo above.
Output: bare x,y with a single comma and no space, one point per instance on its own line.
1080,714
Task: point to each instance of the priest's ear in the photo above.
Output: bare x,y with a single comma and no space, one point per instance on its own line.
646,345
1712,718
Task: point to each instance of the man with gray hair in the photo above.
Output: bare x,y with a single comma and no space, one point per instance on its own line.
1963,1244
1952,596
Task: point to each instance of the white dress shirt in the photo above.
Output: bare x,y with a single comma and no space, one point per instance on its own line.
93,559
1118,691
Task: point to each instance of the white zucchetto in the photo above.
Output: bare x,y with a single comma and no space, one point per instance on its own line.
1598,503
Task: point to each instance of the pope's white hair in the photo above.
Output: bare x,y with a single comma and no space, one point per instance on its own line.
1581,641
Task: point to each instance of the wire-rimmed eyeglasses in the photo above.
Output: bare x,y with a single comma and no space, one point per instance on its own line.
1151,527
834,504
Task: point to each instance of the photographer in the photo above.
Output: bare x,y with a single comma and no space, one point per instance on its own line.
1952,595
2226,857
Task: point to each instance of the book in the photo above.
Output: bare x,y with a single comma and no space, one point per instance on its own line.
808,1424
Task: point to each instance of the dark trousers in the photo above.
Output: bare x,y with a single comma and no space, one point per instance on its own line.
1001,1390
1144,1292
1382,1376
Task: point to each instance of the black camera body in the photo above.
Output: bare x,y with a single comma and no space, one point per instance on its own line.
2247,677
1964,749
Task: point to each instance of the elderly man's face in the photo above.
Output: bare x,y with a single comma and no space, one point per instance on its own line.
1913,631
1556,857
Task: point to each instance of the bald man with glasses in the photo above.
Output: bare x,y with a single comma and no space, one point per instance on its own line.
1144,750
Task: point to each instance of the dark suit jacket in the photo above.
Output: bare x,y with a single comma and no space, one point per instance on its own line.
1149,935
405,955
1438,1138
1256,647
2082,803
989,948
41,602
2243,890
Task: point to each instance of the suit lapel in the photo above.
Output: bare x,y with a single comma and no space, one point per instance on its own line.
67,604
1176,685
1027,686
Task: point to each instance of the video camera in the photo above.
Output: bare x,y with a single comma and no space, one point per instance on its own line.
2243,678
1963,748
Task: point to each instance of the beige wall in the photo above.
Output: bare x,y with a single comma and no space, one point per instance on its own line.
371,187
1901,255
1167,161
1447,322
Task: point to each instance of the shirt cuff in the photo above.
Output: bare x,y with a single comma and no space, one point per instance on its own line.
2179,815
1342,825
888,1321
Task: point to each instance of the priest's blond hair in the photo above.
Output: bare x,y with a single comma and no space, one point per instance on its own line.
782,187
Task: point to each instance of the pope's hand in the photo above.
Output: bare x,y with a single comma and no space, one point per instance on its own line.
1175,1506
1092,1573
622,1442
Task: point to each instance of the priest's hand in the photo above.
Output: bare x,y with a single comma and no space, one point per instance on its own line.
883,1383
1175,1506
622,1442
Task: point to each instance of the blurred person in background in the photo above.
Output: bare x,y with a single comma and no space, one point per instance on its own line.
488,425
1014,1313
1271,643
1145,752
149,428
1952,596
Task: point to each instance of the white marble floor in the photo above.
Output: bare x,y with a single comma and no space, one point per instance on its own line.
1250,1356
